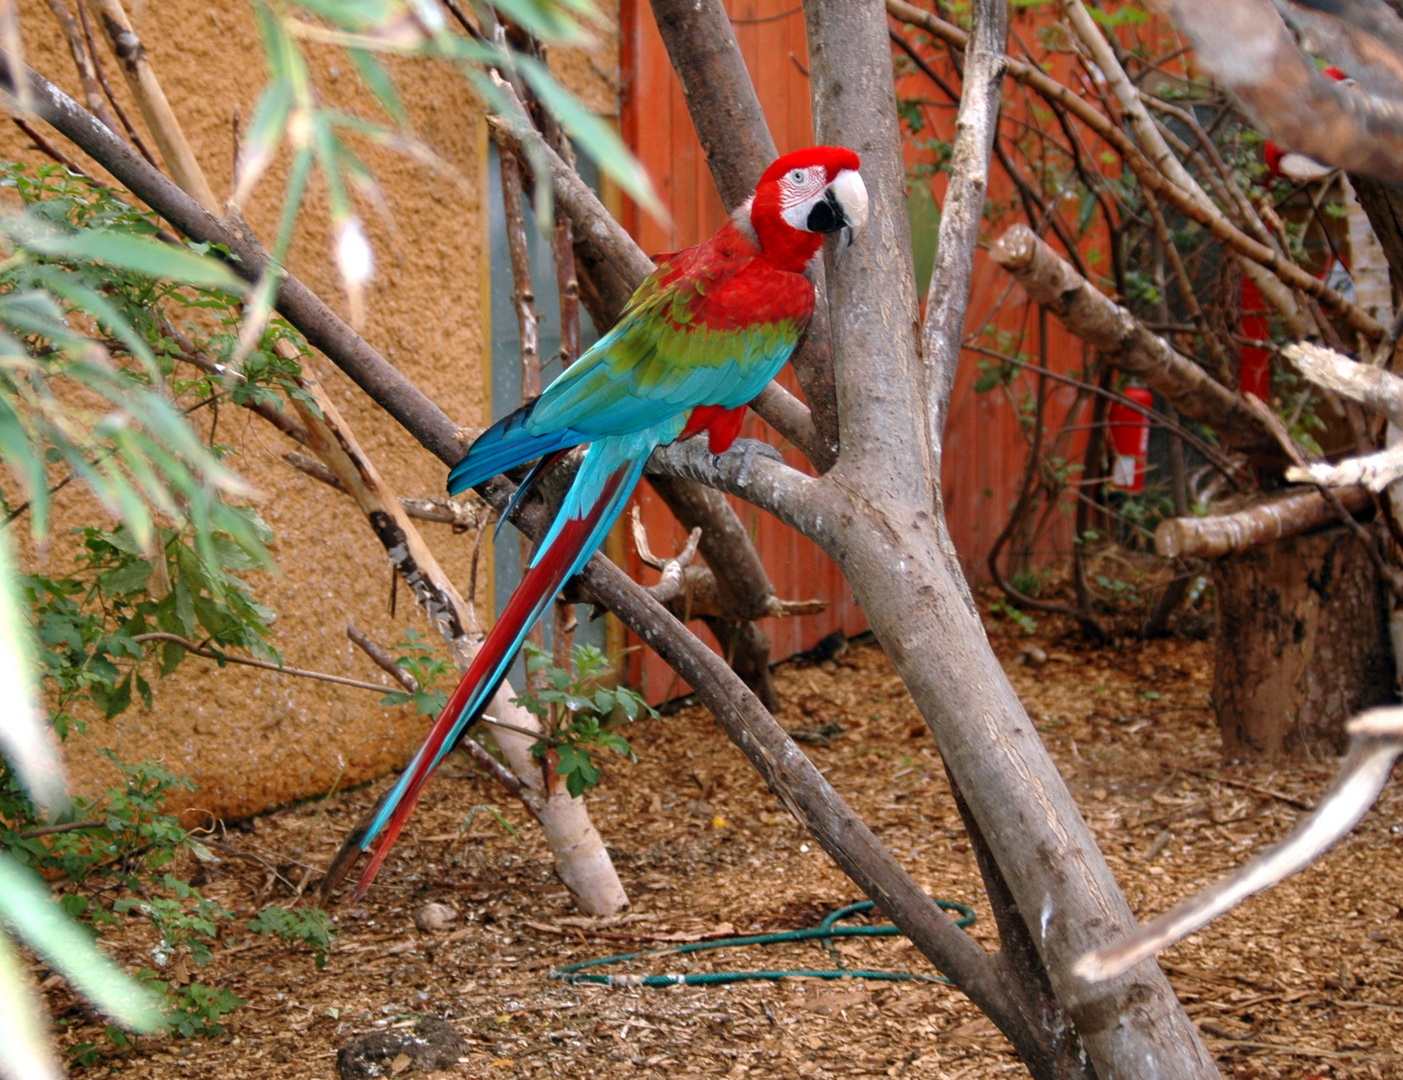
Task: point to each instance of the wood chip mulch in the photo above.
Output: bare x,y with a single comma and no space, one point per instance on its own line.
1304,982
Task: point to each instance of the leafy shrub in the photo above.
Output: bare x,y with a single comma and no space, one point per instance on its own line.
576,707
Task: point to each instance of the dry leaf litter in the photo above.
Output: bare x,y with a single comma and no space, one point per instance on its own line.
466,922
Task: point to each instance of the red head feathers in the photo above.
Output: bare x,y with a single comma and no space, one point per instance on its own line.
802,197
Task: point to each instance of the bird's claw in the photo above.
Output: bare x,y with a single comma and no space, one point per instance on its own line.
749,450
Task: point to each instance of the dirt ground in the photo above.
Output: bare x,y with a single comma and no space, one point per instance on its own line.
1305,982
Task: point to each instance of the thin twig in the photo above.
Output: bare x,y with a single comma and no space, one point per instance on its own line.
127,127
383,659
1256,789
248,661
70,826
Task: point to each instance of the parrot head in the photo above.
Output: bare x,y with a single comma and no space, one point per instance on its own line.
803,197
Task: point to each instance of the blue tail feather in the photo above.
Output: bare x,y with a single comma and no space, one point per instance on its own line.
505,445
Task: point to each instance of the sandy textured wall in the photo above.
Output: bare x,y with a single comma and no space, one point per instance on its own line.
251,739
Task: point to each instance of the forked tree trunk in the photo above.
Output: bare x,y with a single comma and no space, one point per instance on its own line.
1302,645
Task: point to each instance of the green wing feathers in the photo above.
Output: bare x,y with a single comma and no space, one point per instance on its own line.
704,329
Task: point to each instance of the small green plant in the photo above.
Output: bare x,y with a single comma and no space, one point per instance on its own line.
575,707
1025,622
196,1009
416,658
1029,582
310,926
119,857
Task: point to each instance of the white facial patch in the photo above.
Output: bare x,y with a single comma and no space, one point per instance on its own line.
799,189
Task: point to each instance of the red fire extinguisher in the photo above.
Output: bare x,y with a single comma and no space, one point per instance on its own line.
1254,364
1130,440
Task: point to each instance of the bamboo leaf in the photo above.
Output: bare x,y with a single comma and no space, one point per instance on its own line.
138,254
556,22
381,83
28,1055
23,737
596,138
265,134
29,908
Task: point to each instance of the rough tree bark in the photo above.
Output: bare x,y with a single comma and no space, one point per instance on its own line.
885,527
1302,645
1283,515
1124,341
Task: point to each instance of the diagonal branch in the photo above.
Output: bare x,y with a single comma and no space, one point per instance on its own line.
1127,344
808,795
1376,741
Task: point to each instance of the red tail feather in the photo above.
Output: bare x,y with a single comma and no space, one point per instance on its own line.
540,581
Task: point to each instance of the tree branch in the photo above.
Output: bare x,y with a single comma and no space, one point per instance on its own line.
1247,47
1289,514
807,794
976,129
209,653
151,99
1127,344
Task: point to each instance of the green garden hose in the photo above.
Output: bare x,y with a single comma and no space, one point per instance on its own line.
824,931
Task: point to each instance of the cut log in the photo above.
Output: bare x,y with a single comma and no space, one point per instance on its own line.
1281,516
1302,645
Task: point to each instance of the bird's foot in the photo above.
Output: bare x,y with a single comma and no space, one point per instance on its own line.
749,450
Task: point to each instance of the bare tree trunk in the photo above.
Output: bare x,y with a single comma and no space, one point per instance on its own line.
1302,645
891,542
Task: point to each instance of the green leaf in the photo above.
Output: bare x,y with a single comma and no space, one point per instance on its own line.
22,735
27,1051
381,84
595,137
27,906
172,653
140,255
265,132
126,579
553,21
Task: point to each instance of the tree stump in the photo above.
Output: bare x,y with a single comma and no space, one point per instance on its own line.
1302,645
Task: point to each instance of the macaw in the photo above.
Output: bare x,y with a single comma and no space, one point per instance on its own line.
698,341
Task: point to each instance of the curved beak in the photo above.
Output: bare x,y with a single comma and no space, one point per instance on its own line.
843,207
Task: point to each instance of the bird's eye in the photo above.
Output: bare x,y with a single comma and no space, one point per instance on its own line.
798,176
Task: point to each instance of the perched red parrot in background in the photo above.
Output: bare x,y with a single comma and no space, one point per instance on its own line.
698,341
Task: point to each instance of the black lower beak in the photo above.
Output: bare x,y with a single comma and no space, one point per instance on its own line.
826,216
